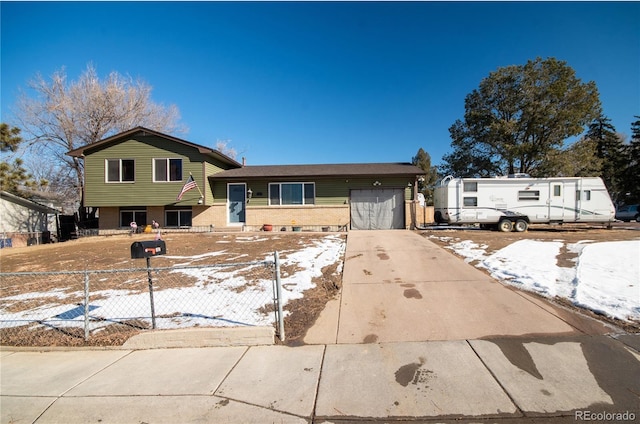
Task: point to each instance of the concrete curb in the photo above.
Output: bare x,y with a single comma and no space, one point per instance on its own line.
202,337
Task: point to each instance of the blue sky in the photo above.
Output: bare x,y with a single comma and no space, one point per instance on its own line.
322,82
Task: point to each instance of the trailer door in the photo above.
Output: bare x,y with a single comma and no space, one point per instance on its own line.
556,201
574,196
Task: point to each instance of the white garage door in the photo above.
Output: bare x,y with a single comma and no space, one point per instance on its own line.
377,209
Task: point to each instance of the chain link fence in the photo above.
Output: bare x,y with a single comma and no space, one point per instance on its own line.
106,307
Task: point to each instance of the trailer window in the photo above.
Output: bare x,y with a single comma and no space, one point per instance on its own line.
529,195
470,201
556,190
470,186
587,195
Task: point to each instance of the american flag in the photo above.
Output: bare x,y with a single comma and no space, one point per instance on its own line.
189,185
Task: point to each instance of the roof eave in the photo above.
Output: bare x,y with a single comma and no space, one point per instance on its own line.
28,203
80,152
253,173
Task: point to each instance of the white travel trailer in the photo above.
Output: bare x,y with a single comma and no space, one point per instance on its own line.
512,203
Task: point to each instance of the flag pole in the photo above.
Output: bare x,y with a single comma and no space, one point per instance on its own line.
197,186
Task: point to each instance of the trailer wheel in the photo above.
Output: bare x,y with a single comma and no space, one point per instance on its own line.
505,225
521,226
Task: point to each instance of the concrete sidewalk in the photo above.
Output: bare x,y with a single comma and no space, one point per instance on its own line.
416,335
507,379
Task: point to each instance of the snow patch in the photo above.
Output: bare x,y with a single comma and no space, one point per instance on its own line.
605,278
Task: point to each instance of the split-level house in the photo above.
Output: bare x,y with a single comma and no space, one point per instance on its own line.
139,176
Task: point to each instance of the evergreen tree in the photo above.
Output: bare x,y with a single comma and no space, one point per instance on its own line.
577,160
630,175
10,138
610,150
517,116
422,160
14,178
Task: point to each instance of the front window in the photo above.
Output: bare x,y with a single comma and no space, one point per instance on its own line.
292,194
120,170
167,170
178,218
127,216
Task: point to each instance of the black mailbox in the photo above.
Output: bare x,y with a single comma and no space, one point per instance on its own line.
147,249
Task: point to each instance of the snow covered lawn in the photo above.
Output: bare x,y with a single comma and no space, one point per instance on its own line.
605,278
189,290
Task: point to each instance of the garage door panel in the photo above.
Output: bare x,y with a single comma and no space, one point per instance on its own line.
377,209
360,212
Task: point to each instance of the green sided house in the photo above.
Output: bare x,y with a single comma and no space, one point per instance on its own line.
138,176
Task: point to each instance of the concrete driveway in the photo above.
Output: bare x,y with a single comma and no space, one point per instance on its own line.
399,286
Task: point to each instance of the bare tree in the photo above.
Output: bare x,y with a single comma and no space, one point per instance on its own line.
61,182
224,146
61,116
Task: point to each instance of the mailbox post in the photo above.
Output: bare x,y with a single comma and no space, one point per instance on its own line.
148,249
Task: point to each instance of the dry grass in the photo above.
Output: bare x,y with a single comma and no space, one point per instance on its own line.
113,252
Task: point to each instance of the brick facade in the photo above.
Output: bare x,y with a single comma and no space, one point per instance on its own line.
310,217
215,215
316,218
109,218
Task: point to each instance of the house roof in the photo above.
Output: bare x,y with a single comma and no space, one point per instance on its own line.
27,203
324,170
87,149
